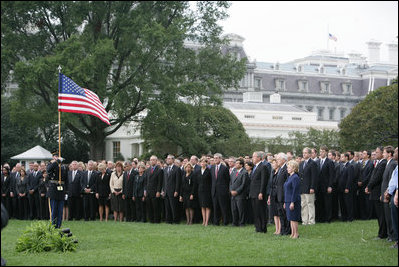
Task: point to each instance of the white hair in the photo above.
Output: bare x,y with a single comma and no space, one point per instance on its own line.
282,156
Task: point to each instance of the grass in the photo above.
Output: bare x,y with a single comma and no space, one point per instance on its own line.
129,243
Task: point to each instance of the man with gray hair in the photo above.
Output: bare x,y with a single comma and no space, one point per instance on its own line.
88,189
152,190
171,187
127,191
220,190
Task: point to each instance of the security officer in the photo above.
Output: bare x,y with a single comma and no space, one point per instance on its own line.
57,191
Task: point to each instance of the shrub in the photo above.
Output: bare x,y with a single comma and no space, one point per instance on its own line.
43,236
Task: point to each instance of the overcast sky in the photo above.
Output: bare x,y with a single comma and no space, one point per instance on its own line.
284,31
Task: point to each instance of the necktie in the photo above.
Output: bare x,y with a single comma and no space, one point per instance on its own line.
321,163
304,164
375,163
364,163
88,177
152,170
237,174
73,175
217,170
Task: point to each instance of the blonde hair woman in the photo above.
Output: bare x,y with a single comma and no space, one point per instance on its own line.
188,192
292,197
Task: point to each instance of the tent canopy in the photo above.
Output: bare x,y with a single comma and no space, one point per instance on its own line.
36,153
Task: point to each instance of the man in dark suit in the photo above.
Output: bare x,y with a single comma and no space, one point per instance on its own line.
282,176
127,191
308,173
33,184
170,189
367,167
386,177
220,190
324,192
238,194
345,189
196,167
152,190
374,189
354,160
257,192
332,155
74,191
88,189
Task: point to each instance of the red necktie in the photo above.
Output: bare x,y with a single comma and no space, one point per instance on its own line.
128,175
152,170
236,174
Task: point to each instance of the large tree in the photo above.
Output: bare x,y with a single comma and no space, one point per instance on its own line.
129,53
373,122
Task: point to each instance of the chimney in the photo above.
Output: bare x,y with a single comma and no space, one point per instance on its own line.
393,53
374,51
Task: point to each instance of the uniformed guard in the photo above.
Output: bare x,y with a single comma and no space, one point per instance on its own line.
57,189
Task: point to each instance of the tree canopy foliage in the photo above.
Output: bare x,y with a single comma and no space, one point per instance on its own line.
372,122
129,53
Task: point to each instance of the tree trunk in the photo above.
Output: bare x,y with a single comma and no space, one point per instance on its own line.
97,149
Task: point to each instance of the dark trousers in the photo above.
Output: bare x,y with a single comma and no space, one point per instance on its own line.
56,212
346,204
363,204
6,201
89,210
260,214
34,203
220,207
154,209
394,217
334,204
23,210
130,209
13,206
355,196
285,224
75,205
319,206
388,219
382,227
141,215
238,211
249,212
171,211
44,212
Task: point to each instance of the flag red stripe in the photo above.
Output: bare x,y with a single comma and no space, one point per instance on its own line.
82,100
83,112
73,105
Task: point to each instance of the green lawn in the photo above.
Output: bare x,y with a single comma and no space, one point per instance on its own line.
113,243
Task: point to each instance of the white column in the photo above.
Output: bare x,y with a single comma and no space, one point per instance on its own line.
140,149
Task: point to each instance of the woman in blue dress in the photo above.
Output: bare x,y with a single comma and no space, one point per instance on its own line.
292,197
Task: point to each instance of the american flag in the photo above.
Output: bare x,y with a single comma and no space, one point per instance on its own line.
72,98
332,37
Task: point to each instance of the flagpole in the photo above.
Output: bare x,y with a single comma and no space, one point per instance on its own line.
59,130
328,37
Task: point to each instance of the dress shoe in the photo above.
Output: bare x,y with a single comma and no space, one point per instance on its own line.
395,245
389,239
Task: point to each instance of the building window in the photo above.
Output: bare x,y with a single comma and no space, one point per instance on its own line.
325,87
277,117
331,111
320,113
296,118
280,84
303,86
347,89
342,113
249,116
258,84
116,149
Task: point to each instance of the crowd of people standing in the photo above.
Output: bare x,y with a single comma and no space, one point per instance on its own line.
258,189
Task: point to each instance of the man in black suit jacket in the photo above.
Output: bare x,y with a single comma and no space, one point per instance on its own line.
88,189
365,206
386,177
33,184
308,173
152,190
170,190
220,190
238,193
127,191
257,192
324,192
74,192
282,176
345,189
374,189
196,167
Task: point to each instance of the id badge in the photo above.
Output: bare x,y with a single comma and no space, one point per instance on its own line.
59,188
